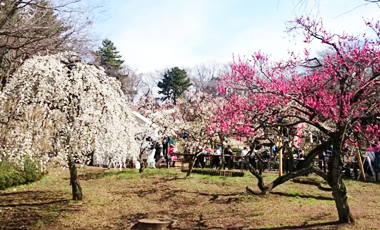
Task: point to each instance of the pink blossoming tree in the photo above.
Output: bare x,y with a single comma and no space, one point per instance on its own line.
337,95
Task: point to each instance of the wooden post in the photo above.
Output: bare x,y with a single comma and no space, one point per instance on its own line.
280,154
280,159
360,162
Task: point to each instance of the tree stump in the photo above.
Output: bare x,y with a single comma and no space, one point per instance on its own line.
154,224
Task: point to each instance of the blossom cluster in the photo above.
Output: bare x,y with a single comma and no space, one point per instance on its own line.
57,104
192,113
336,94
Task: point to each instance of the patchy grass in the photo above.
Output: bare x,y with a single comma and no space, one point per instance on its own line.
117,199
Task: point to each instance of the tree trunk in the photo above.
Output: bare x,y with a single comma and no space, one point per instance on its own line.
340,196
75,186
142,166
338,188
265,188
286,177
91,155
192,163
313,153
141,161
258,175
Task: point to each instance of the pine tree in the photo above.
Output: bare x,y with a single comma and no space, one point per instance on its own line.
174,84
110,58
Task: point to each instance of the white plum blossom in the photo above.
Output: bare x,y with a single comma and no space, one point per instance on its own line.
192,113
58,103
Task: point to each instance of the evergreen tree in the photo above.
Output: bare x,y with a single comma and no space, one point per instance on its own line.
110,58
174,84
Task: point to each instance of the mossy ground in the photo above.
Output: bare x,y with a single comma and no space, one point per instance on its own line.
117,199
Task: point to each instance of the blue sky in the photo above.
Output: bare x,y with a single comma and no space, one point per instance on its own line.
155,34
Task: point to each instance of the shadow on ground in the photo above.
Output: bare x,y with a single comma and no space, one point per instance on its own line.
130,174
28,209
101,174
302,196
327,225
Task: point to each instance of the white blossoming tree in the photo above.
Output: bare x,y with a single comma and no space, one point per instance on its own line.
192,113
60,110
163,119
197,111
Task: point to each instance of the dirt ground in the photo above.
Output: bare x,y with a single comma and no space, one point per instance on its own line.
117,199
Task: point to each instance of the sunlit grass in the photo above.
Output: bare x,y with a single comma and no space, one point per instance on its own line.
115,199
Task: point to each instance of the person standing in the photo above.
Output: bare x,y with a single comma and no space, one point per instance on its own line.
216,157
228,157
322,161
172,155
370,154
157,154
285,162
165,145
201,158
242,164
252,158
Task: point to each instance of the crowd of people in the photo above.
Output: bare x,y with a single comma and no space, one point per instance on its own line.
166,154
370,160
165,151
232,160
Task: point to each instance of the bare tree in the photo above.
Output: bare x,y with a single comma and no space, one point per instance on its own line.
31,27
130,81
205,76
314,5
149,81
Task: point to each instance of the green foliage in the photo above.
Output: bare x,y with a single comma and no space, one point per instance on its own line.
12,176
31,171
109,56
237,150
40,223
174,84
275,165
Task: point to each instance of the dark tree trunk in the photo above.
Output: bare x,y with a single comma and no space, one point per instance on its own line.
260,165
338,188
313,153
340,197
334,178
141,161
258,175
73,112
286,177
265,188
192,163
91,163
75,186
142,166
